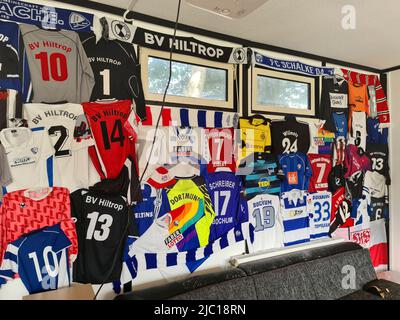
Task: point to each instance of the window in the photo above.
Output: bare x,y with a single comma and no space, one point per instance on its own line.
280,92
194,81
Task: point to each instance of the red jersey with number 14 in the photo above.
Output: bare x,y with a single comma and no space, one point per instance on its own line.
321,165
114,136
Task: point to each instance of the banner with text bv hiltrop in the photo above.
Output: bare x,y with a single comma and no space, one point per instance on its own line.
47,17
292,66
120,30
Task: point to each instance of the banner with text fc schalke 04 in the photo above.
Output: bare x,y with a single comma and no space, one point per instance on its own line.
45,16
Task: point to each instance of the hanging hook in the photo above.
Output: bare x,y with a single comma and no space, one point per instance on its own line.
129,9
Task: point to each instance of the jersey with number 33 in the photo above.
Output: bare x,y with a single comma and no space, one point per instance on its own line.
319,206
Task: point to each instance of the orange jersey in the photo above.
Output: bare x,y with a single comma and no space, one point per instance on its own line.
358,99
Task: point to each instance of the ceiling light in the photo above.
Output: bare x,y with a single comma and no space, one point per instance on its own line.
232,9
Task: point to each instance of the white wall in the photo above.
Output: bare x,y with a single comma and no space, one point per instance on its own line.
394,134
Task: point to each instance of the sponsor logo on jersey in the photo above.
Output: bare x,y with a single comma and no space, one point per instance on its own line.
264,183
173,239
78,21
21,161
121,30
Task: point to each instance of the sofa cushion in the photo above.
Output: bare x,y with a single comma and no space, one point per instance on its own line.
328,276
284,260
360,295
180,287
393,288
236,289
288,283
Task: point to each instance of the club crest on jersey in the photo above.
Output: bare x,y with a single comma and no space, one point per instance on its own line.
120,30
22,205
35,150
77,21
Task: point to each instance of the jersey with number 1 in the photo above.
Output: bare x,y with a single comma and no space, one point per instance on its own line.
113,134
265,223
319,207
71,156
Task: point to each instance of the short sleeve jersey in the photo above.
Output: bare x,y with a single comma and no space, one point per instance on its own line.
30,157
255,135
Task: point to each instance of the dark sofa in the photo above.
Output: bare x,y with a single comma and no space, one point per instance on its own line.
312,274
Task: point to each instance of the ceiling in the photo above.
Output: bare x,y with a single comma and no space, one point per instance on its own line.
312,26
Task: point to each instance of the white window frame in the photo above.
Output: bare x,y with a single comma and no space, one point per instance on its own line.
145,53
260,108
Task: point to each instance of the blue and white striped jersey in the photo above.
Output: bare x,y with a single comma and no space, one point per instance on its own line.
295,217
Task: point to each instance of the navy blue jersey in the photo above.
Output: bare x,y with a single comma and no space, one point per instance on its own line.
40,258
376,135
224,189
340,123
295,171
262,176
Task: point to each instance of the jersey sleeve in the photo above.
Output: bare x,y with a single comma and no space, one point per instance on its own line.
83,137
135,84
3,240
87,79
308,173
5,172
62,240
9,265
68,225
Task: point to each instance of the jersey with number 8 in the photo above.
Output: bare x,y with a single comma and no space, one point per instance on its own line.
266,230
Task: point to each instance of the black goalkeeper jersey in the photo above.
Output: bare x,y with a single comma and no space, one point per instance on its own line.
116,70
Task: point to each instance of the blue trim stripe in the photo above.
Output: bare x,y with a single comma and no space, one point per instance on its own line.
208,250
202,118
319,235
184,118
172,259
296,224
297,242
191,256
224,241
50,169
10,256
151,260
218,119
37,129
4,190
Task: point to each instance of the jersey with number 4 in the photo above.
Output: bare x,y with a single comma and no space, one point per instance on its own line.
59,67
71,156
321,167
266,230
114,136
319,209
101,222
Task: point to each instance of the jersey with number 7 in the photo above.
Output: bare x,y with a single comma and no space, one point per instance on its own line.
321,166
114,136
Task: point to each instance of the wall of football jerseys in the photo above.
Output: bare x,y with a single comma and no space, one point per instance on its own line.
94,192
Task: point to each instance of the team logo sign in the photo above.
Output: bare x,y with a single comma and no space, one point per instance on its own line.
78,21
120,30
239,55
